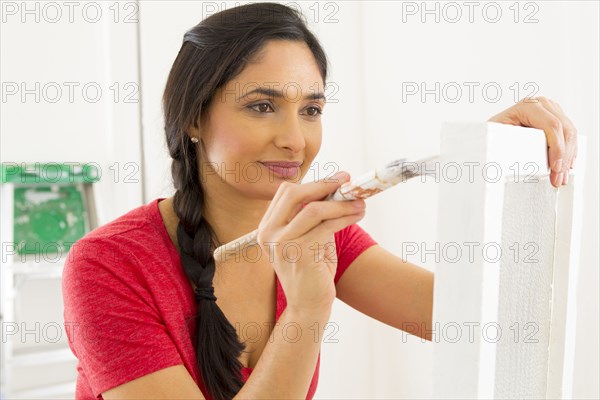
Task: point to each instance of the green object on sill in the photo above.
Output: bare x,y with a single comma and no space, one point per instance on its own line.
49,205
48,219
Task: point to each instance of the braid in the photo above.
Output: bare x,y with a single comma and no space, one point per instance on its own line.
217,343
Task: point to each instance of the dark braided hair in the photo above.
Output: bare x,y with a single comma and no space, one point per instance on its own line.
213,53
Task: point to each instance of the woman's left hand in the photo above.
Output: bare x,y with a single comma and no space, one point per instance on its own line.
561,135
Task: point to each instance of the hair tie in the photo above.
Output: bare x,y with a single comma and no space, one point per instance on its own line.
205,293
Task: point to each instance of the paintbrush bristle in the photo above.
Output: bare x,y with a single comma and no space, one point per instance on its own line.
396,163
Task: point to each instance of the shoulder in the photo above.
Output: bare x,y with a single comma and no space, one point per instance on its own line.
351,238
120,265
125,240
350,243
139,222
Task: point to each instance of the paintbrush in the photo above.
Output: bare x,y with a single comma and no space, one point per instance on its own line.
362,187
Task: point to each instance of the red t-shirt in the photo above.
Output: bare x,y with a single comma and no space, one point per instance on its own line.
129,308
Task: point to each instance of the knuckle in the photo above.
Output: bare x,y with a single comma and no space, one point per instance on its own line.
285,186
261,237
261,228
312,210
267,236
328,225
571,135
287,192
555,124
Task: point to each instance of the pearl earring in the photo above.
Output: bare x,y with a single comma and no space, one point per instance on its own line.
194,139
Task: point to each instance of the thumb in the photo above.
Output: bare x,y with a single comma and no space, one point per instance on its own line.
338,178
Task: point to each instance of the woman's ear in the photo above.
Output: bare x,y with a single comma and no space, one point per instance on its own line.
193,132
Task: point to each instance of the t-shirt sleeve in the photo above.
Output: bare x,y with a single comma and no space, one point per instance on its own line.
112,323
350,243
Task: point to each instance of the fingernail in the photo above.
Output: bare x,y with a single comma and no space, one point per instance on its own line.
359,205
558,165
342,176
566,179
559,179
573,163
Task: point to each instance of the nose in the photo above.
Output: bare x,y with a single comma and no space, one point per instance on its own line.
290,135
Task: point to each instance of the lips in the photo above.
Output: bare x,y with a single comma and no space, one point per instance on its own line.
282,164
284,169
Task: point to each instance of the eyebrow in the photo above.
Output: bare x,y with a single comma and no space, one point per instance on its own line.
279,94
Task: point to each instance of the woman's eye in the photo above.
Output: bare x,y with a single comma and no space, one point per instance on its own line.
314,111
261,108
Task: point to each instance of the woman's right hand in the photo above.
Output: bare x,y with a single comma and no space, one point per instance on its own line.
297,234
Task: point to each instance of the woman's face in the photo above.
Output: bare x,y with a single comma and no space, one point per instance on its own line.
269,112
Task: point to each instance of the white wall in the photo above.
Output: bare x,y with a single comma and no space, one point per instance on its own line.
372,52
70,93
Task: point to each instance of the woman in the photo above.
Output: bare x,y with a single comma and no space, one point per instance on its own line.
147,311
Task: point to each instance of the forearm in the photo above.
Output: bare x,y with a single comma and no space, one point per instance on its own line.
287,364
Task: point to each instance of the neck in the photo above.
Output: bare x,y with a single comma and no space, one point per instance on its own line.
229,216
229,212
